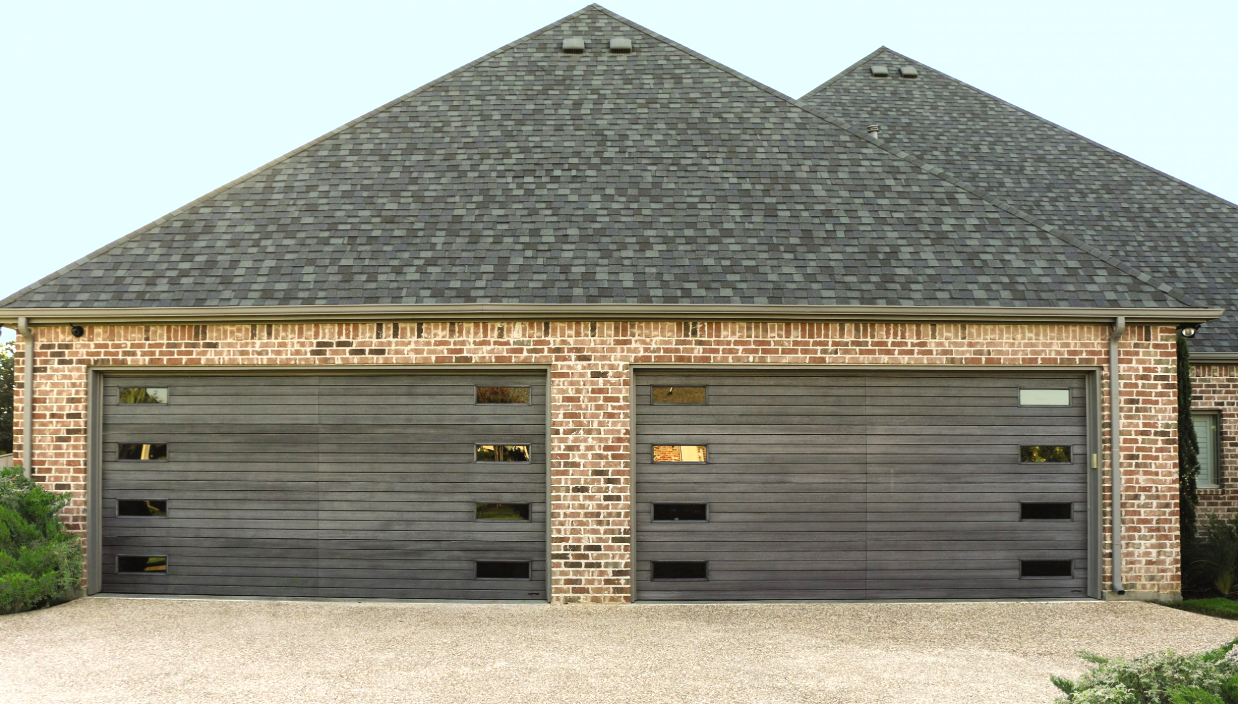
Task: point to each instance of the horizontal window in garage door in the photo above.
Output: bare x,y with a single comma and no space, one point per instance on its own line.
154,508
143,395
1044,453
141,451
679,453
503,453
679,394
502,394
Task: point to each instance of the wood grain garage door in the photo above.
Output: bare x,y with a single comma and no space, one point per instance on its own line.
349,485
860,486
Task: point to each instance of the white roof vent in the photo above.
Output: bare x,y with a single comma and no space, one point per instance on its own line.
908,71
620,45
881,71
574,45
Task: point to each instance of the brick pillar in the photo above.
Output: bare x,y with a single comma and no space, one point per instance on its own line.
590,482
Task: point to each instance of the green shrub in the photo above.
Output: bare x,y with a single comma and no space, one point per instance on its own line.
1210,561
40,562
1161,678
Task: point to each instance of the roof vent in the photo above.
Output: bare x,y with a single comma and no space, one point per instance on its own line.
574,45
620,45
881,71
874,131
908,71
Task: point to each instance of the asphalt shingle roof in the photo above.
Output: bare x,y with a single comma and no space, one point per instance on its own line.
1177,233
531,176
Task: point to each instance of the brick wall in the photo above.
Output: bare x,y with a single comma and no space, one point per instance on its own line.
590,469
1215,388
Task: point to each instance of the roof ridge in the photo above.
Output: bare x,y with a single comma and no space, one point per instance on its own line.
946,176
284,157
1047,121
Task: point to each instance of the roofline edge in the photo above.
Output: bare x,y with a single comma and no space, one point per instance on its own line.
571,311
1214,357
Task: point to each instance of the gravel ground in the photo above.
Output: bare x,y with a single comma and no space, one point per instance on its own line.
154,650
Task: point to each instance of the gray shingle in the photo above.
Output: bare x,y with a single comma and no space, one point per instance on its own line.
1172,231
532,176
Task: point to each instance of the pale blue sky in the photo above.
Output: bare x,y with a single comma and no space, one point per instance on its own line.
116,113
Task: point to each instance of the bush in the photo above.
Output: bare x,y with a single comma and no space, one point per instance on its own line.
1161,678
1210,561
6,398
40,562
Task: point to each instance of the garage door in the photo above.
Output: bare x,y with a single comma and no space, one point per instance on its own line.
349,485
860,486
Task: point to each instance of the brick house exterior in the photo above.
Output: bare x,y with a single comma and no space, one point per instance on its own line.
1215,388
611,220
590,423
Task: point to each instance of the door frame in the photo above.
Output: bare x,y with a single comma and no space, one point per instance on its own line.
94,436
1092,378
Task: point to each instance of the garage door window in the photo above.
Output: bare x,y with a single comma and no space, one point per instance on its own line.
503,512
1044,397
502,569
681,512
502,394
1044,453
667,571
679,394
1038,511
148,508
142,451
142,564
1045,568
502,453
679,453
142,394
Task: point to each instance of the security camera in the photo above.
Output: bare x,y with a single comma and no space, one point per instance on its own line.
1189,330
77,330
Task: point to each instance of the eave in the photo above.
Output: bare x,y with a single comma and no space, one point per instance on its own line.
520,311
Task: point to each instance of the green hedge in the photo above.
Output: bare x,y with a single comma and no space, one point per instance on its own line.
1161,678
40,562
1210,559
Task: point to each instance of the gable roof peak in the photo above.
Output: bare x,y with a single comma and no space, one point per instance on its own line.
659,176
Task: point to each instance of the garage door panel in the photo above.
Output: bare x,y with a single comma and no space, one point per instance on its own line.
428,513
1008,489
427,438
972,381
722,592
175,589
273,481
258,426
750,520
954,471
358,480
722,579
938,432
937,449
278,585
914,474
996,530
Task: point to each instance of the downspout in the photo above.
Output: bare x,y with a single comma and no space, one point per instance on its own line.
1115,455
27,422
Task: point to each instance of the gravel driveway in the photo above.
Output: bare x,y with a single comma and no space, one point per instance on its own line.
152,650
